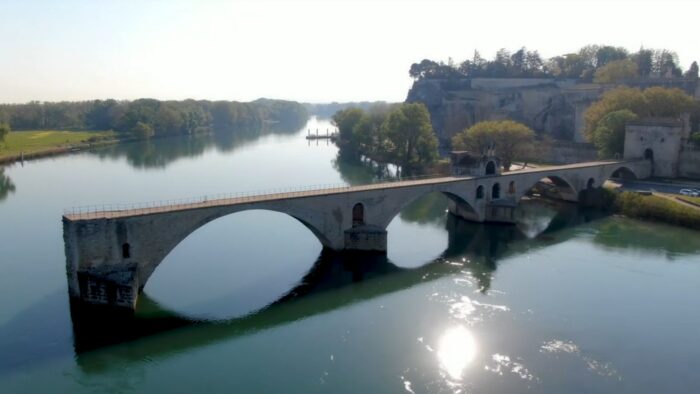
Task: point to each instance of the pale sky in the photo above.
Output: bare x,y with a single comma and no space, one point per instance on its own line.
316,51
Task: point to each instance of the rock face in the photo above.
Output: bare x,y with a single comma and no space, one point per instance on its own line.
553,107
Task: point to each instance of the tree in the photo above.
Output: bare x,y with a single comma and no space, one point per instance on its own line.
4,131
644,60
615,71
614,100
345,120
410,136
655,101
509,139
143,130
663,102
608,54
692,71
609,136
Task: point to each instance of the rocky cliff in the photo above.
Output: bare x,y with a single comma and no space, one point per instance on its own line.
553,107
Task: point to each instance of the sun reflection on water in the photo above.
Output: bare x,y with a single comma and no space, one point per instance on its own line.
456,350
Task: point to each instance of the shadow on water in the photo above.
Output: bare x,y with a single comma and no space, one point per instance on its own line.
6,185
334,281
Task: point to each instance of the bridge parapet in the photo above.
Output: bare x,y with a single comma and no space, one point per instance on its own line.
110,254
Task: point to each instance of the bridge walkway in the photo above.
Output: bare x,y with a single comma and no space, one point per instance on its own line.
121,211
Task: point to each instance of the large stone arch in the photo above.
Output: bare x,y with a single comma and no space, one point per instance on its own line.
559,180
623,171
181,233
457,200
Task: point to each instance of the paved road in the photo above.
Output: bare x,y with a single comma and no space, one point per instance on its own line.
657,186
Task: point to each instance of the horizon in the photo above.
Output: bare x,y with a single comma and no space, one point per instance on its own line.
307,51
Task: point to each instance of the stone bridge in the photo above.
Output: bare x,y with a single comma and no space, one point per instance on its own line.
111,254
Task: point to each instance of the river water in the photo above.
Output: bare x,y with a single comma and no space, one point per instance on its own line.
565,301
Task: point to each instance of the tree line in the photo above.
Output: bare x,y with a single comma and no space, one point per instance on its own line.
399,134
150,117
581,65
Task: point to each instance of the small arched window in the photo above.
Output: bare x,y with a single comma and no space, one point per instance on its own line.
479,192
126,251
496,191
511,187
490,168
358,214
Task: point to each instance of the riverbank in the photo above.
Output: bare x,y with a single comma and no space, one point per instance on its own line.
654,208
27,145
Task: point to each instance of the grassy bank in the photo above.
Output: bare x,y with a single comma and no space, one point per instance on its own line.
35,142
692,200
650,207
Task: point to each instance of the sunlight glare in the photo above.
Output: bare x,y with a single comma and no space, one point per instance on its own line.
456,350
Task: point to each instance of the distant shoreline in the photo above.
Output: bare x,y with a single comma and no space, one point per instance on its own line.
60,150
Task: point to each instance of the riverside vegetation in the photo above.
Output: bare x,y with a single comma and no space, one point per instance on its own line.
142,118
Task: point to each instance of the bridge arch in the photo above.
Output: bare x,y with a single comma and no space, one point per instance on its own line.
181,230
457,205
622,172
210,273
554,185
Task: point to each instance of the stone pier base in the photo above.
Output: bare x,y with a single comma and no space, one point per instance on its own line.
365,238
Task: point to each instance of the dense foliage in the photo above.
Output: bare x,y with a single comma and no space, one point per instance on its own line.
581,65
4,131
507,138
607,130
609,136
655,208
149,117
327,110
398,134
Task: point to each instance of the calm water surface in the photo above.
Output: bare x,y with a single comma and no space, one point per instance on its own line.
562,302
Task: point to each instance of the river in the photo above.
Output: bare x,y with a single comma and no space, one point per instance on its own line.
565,301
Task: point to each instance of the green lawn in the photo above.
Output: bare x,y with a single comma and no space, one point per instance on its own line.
40,140
695,200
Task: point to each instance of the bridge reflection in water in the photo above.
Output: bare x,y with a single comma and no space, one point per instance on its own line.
336,280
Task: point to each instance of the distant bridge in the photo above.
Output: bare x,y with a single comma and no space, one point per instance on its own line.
111,253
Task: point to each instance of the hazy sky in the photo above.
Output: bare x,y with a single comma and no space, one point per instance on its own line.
302,50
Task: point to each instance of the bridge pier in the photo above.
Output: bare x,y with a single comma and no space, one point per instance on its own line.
111,254
365,238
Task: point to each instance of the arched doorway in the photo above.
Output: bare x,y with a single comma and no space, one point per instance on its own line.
358,215
490,168
496,191
649,154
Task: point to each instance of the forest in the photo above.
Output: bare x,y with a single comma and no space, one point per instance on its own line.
604,60
150,117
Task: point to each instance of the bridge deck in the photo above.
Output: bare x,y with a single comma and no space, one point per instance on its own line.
205,203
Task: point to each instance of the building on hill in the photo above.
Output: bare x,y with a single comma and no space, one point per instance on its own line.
554,107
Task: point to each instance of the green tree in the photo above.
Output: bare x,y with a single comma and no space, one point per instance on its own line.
143,130
4,131
411,140
614,100
346,120
692,71
663,102
509,139
615,71
655,101
609,136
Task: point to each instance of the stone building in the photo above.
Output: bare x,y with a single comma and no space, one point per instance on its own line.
464,163
665,141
